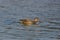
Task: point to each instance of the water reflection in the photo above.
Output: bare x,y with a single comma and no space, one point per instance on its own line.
43,30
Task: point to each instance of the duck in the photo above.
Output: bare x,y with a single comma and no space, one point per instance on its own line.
29,22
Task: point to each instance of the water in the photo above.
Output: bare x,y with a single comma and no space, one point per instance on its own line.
47,10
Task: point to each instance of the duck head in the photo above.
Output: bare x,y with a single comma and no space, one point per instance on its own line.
36,19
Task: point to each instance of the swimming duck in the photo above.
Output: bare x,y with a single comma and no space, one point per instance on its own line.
28,21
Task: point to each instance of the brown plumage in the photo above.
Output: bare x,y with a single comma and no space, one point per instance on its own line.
28,21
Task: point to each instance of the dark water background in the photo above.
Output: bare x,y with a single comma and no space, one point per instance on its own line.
48,11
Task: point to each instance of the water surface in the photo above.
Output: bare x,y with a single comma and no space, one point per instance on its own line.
48,12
